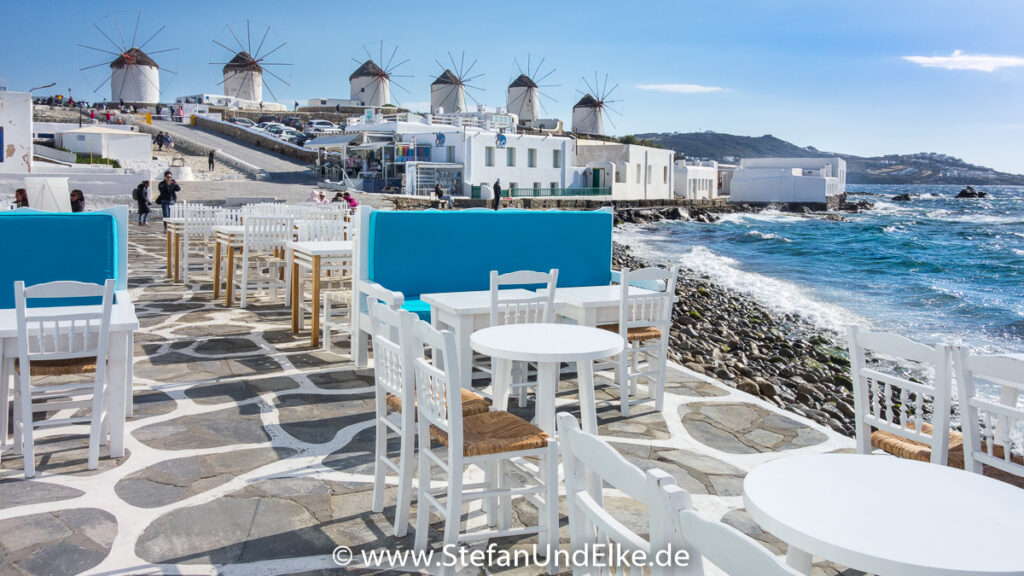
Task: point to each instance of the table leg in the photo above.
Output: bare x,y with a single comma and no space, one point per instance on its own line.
547,388
129,399
169,234
501,373
315,336
216,270
229,276
798,560
118,380
177,258
463,330
585,384
5,390
295,298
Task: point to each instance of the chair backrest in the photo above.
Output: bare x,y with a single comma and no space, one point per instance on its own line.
540,307
587,459
323,229
728,548
992,429
264,233
894,403
437,381
229,217
80,333
653,308
199,220
393,351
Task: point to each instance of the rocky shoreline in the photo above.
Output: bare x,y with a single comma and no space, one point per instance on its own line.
780,358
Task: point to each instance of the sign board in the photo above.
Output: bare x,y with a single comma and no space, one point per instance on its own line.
500,141
368,115
439,139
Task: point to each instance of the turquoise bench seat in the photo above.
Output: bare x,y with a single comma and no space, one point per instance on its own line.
42,247
452,251
419,308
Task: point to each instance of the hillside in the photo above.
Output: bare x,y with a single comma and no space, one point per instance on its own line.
920,168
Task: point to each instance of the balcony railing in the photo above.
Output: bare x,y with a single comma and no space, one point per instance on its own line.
554,192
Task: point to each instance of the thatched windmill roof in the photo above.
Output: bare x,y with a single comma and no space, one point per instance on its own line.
587,101
243,62
447,78
369,69
523,81
133,57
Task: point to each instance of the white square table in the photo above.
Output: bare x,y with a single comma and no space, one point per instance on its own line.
310,255
888,516
123,324
464,313
592,305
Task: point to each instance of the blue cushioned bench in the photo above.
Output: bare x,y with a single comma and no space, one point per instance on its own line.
402,254
44,246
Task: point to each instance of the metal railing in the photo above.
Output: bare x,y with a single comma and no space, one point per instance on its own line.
54,154
554,192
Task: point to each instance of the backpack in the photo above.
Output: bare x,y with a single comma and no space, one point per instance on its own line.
135,194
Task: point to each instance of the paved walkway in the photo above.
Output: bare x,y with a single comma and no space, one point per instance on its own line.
251,453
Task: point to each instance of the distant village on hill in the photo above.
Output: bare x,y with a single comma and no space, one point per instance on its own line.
920,168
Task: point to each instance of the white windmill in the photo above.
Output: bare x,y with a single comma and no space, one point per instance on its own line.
134,75
589,112
244,74
448,91
371,83
524,93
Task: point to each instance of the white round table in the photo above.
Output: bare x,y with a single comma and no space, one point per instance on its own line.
888,516
548,345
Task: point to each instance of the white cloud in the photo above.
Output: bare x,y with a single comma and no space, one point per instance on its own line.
960,61
679,88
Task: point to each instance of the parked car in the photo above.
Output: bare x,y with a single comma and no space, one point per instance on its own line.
243,122
294,122
316,126
266,126
276,129
268,118
293,136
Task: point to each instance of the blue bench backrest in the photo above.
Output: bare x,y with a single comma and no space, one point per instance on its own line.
448,251
40,247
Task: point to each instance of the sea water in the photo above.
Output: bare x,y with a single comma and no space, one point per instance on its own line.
934,269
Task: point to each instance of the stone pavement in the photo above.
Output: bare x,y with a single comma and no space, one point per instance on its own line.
251,453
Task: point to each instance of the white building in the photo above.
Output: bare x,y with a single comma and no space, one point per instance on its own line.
695,179
524,99
789,180
103,142
370,85
229,102
632,172
447,93
588,116
243,78
330,104
15,132
134,78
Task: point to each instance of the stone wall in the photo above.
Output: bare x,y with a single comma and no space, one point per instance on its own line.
266,142
402,202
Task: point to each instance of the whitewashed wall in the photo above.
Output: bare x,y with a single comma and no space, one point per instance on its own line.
16,124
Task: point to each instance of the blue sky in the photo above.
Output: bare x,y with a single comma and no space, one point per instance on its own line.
863,77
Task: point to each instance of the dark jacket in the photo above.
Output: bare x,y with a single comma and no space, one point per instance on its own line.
78,205
168,192
497,195
143,199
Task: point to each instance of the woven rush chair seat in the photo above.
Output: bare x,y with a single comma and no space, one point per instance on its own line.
493,433
69,367
472,403
956,460
914,450
638,334
268,259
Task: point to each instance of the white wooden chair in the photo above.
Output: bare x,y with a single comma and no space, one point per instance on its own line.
68,344
728,548
890,408
539,308
480,439
264,241
197,237
589,464
991,428
644,324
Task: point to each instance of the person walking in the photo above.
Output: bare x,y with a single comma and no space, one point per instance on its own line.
210,158
497,194
160,141
168,195
77,201
141,196
351,200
